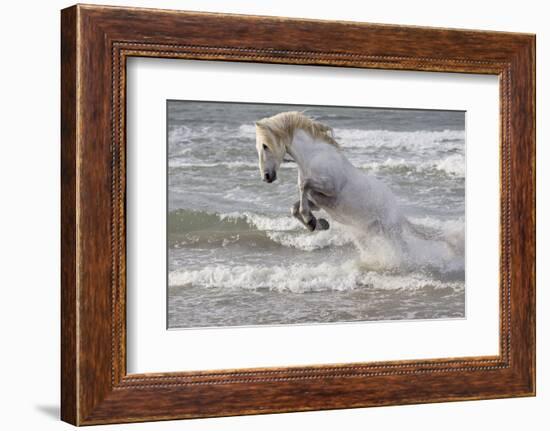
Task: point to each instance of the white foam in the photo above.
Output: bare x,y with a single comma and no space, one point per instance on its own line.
360,138
264,223
301,278
452,230
453,165
336,236
247,131
178,163
180,133
289,232
433,253
443,225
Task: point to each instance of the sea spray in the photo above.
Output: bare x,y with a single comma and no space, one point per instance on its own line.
430,245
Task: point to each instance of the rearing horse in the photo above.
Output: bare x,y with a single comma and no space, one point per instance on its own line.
326,178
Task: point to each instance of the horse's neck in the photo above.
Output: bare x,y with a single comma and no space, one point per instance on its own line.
299,148
303,146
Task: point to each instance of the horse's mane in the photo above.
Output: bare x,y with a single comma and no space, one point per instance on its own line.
284,124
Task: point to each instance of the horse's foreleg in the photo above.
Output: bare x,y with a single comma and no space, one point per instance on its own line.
306,207
321,224
295,211
307,216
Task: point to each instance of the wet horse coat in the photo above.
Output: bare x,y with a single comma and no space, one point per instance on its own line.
326,178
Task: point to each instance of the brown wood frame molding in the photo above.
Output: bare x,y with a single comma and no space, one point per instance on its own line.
95,43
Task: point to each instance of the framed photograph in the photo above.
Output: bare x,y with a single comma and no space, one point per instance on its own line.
264,214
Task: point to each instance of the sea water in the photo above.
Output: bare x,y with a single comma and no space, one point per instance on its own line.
236,257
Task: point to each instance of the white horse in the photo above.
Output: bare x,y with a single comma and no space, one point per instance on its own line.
326,178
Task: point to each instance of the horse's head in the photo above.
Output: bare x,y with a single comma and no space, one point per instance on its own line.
271,150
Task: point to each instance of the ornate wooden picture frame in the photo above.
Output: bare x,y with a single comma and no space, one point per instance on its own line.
96,41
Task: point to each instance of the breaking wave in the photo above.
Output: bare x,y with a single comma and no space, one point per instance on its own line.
194,227
425,243
453,165
302,278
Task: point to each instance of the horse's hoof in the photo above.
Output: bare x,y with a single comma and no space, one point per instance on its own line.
311,224
322,224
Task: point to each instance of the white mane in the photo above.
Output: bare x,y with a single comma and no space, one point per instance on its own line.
282,126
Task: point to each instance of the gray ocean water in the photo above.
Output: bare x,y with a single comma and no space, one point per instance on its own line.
235,255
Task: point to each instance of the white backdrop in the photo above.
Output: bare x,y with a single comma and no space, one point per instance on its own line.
151,348
29,227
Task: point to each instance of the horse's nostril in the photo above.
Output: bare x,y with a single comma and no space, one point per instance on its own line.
266,176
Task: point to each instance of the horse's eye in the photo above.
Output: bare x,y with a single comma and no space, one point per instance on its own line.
265,146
